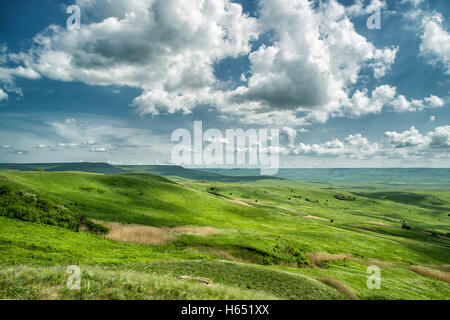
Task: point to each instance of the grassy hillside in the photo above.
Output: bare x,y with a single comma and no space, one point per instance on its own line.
172,171
309,242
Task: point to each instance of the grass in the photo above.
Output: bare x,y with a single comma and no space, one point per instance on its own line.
339,285
37,283
164,230
137,234
140,234
317,258
427,272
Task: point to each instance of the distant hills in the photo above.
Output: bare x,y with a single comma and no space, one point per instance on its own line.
105,168
333,177
360,176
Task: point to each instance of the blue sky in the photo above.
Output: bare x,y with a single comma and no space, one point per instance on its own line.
115,90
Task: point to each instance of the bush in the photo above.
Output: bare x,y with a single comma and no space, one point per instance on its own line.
28,196
299,256
405,226
95,227
4,190
345,197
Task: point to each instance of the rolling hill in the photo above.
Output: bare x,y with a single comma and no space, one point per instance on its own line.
309,242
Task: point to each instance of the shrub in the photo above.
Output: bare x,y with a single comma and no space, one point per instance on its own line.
299,256
95,227
4,190
405,226
28,196
345,197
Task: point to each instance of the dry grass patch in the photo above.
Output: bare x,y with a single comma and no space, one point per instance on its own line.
427,272
205,281
140,234
242,203
339,285
137,234
317,257
198,231
315,218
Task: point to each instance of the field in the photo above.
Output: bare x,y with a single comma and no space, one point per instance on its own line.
134,234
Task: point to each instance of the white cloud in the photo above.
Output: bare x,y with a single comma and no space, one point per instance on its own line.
306,74
316,56
97,133
408,138
100,149
415,3
67,145
440,137
436,40
436,139
8,74
166,48
3,95
361,104
169,48
354,146
402,104
406,144
432,118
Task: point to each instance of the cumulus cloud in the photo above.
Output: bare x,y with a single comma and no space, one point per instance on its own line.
166,48
402,104
307,72
354,146
435,40
438,138
316,56
408,138
361,104
394,144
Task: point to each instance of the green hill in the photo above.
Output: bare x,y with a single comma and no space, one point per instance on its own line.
162,170
251,240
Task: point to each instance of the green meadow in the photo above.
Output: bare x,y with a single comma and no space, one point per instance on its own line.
135,233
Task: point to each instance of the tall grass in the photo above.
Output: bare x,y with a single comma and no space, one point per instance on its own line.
339,285
152,235
427,272
138,234
318,257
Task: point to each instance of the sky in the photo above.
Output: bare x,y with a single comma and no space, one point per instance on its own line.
116,88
